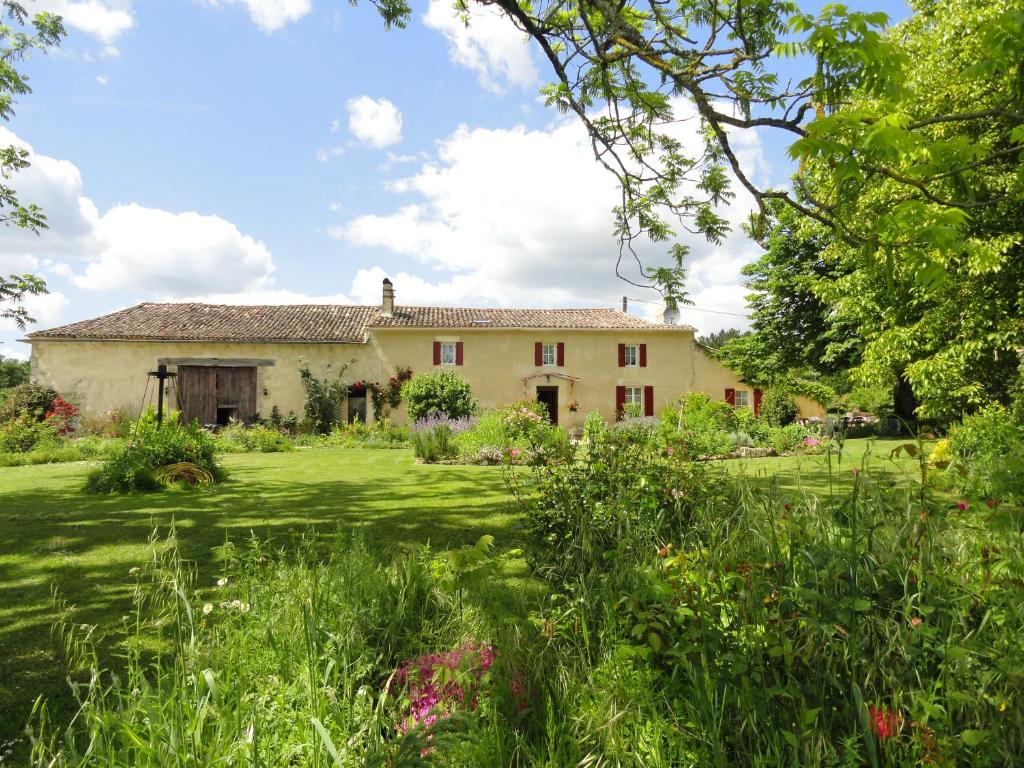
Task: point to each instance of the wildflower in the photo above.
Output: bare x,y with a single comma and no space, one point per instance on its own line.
664,550
133,571
514,453
676,493
787,506
992,503
670,450
915,622
884,722
222,582
208,609
811,442
962,506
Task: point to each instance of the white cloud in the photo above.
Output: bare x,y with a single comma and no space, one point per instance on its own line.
132,248
272,15
110,51
16,353
106,20
326,153
335,206
523,217
45,309
102,79
489,45
376,122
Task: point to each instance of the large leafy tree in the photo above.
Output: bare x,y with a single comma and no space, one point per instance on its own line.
19,36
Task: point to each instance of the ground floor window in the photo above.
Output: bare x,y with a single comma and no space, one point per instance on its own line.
447,353
742,398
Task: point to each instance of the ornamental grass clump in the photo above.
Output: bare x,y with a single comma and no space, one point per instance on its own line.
433,437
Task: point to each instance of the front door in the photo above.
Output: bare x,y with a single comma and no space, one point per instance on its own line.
549,397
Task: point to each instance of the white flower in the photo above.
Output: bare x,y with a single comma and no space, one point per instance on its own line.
222,582
208,609
133,571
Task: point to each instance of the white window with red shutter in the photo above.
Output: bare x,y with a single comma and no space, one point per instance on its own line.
447,353
632,356
549,354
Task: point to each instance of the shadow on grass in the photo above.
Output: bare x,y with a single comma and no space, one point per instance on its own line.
54,536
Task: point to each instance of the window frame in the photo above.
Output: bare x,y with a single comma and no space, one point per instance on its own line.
449,346
744,396
545,358
639,395
636,355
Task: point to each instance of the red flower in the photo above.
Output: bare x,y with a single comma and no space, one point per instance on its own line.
962,506
992,503
787,507
884,722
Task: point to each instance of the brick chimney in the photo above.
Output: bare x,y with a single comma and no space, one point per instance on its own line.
387,308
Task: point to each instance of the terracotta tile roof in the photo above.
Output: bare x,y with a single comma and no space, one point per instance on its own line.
464,317
323,322
223,322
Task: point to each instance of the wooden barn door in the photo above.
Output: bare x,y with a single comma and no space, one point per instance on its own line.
236,388
197,393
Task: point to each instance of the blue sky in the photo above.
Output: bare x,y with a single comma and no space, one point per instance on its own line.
272,151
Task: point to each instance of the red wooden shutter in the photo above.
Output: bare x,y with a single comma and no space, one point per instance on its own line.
622,355
757,401
560,351
437,353
458,353
538,353
730,397
643,355
648,401
620,400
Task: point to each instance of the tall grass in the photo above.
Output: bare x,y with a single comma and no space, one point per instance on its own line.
717,625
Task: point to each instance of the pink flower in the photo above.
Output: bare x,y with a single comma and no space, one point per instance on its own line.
514,453
811,442
670,450
962,506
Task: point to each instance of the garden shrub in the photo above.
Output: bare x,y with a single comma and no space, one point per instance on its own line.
788,438
117,422
325,399
56,451
757,428
25,433
434,437
522,426
29,400
438,392
133,467
987,455
701,426
778,408
239,438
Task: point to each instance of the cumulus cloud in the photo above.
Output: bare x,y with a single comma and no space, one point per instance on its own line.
105,20
488,44
129,247
523,217
376,122
271,15
45,309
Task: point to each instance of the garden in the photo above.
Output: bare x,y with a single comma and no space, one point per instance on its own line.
628,596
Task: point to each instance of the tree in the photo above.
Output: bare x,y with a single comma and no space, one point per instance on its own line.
632,70
713,341
13,372
15,44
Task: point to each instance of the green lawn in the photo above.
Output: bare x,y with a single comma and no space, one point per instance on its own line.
53,535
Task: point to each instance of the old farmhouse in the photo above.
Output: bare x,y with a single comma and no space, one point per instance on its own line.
241,361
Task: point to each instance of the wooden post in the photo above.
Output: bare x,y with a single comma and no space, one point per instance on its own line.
162,376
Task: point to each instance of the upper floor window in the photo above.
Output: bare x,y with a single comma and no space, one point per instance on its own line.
549,354
632,356
447,353
742,398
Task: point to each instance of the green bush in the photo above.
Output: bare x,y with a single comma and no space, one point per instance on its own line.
700,426
778,408
30,401
755,427
25,433
987,455
238,438
789,438
523,426
134,466
58,451
438,392
434,437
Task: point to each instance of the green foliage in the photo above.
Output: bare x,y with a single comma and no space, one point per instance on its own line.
13,372
987,455
701,426
435,443
136,465
325,398
239,438
438,392
788,438
31,401
23,434
48,449
521,426
778,408
716,340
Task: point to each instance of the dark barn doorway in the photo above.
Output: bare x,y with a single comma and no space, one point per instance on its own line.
216,394
549,397
356,405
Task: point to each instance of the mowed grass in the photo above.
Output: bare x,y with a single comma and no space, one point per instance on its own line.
54,536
